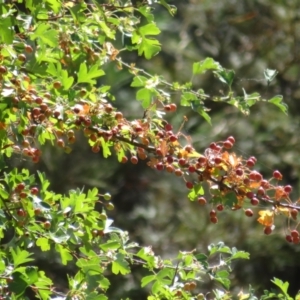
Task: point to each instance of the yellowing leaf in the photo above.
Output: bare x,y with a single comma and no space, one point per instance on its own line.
266,217
283,210
280,193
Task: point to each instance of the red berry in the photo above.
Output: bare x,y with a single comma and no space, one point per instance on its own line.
255,176
213,146
37,211
22,57
160,166
169,168
47,225
214,219
288,189
202,160
20,212
57,85
189,185
296,240
167,107
182,161
35,159
220,207
96,148
268,230
265,184
192,169
294,233
246,181
134,160
28,49
23,195
56,114
168,127
119,116
212,213
250,195
159,152
250,163
254,201
249,212
3,69
87,121
261,191
239,172
294,213
289,238
60,143
36,111
202,200
170,159
108,108
138,128
76,110
173,138
178,172
173,107
34,191
188,148
277,175
231,139
124,160
258,176
227,145
218,160
20,187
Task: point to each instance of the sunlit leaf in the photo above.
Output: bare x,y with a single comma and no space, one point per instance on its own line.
266,217
204,65
277,101
120,265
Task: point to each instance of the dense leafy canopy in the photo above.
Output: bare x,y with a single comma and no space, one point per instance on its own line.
58,62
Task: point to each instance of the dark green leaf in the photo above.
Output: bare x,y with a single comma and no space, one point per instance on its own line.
18,284
225,76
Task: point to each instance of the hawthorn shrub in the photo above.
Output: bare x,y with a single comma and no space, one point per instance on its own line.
54,56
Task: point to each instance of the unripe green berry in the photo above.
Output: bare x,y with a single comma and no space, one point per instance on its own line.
103,217
107,196
109,206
